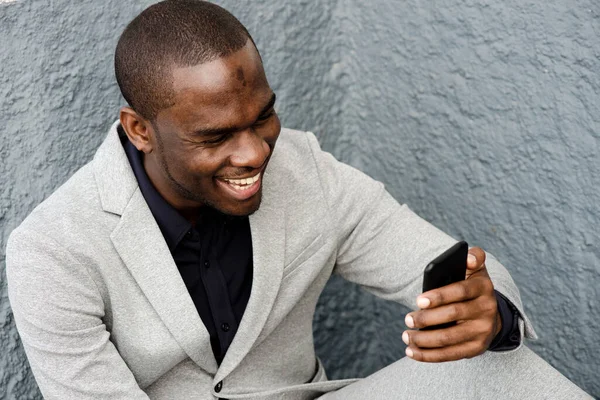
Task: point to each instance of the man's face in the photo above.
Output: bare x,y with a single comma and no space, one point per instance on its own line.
213,144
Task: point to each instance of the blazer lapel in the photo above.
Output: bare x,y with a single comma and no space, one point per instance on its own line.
140,244
142,247
267,226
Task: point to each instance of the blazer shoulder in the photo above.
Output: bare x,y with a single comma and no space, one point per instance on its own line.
72,205
293,160
295,140
295,151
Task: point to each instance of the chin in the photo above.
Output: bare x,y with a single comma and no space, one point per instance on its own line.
241,210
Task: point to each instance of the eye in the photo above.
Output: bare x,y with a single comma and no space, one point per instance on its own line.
266,116
216,140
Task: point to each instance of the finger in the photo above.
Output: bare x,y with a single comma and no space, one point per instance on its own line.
475,258
443,314
464,350
480,307
456,292
441,337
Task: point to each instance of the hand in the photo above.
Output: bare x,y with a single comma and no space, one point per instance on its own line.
471,303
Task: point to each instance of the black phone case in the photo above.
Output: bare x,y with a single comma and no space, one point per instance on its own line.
447,268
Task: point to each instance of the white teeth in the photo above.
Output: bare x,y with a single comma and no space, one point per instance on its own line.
238,183
238,187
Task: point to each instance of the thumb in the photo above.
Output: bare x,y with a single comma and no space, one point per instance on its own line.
475,259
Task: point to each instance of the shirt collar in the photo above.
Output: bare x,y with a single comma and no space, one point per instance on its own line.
172,224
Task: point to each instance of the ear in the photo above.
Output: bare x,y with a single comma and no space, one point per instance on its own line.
138,129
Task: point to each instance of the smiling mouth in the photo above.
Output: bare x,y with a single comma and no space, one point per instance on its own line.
243,183
241,189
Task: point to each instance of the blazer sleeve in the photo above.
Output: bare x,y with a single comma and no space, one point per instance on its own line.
58,312
383,245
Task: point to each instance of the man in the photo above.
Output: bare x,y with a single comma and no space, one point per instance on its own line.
186,259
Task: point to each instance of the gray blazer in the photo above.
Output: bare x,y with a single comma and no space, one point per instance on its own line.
103,312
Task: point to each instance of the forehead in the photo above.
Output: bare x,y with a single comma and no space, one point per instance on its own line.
221,75
218,91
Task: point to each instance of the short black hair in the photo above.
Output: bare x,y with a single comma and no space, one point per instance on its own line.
172,33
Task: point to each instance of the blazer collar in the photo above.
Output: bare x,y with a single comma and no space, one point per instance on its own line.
114,177
141,245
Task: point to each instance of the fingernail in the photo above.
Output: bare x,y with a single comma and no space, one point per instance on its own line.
409,352
423,302
405,338
471,259
409,321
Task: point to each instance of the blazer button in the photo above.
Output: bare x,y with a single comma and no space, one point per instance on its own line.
225,327
219,386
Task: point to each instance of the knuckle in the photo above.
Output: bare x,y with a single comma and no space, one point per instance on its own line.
446,339
454,312
415,339
482,345
488,286
475,351
490,306
484,328
438,298
417,355
464,289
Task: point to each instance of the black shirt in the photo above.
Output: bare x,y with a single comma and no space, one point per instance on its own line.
215,262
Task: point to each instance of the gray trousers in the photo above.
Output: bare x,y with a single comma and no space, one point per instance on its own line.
520,374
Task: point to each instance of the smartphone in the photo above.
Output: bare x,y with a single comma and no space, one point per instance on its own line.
447,268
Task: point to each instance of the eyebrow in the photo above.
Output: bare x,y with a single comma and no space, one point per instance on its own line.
221,131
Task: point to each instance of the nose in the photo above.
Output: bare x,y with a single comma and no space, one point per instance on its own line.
250,151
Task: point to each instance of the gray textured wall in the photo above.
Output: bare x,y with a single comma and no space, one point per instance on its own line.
481,115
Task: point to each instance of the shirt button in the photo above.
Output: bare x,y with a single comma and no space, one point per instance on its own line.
207,264
225,327
219,386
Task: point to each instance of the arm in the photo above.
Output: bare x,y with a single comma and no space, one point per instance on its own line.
384,246
58,312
